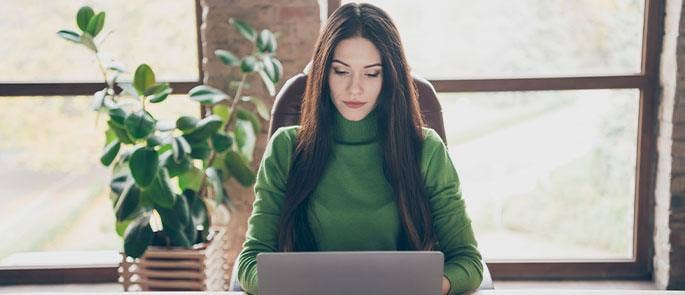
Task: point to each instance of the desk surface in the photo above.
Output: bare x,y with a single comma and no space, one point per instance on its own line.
549,292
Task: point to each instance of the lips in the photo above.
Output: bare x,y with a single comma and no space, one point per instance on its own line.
354,104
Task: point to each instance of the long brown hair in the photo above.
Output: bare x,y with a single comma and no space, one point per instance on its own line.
399,126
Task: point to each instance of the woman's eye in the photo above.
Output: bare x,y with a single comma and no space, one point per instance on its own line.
373,74
339,72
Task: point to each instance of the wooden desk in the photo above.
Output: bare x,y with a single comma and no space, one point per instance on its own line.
574,291
545,292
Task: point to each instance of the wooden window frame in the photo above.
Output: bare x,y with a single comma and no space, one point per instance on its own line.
647,81
59,274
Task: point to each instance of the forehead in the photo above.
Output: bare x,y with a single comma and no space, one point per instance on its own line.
357,52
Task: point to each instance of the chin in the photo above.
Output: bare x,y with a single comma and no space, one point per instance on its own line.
356,116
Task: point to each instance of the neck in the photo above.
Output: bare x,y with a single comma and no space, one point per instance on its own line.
355,132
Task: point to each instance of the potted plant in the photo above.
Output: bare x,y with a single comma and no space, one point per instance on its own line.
168,176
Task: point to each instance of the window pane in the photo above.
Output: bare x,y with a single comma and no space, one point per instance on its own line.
504,38
547,174
54,192
159,33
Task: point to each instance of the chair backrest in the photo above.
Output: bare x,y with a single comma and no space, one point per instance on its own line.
286,109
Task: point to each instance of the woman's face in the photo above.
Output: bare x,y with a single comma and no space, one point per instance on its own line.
355,77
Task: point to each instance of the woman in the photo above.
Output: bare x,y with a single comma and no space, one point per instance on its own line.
360,173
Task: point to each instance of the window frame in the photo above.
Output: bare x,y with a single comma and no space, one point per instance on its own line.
60,274
647,81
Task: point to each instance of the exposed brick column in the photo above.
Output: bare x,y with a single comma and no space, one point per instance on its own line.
296,24
669,213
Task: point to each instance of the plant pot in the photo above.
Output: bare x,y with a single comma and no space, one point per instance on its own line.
202,268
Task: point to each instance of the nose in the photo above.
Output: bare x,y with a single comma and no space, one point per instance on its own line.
355,88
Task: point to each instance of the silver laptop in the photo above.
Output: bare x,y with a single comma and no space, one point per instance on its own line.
332,273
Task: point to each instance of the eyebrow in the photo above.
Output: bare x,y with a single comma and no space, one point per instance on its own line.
371,65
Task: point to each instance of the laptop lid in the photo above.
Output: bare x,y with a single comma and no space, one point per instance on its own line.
332,273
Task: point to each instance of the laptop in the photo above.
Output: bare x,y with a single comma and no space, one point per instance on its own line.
353,273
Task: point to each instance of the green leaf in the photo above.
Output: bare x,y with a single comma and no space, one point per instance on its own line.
143,78
140,124
87,40
70,35
221,142
109,136
119,183
227,57
137,236
246,115
238,169
127,202
170,218
204,128
262,110
186,123
95,24
190,180
246,30
178,238
221,110
272,68
158,92
121,227
266,41
180,148
175,168
278,70
117,116
214,177
198,209
245,138
98,100
120,132
144,165
207,94
200,150
270,87
159,191
219,163
83,17
154,141
111,151
183,210
248,64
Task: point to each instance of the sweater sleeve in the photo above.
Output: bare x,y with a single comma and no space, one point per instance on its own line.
262,227
451,223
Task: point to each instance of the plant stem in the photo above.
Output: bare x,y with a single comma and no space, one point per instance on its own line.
204,175
102,69
236,99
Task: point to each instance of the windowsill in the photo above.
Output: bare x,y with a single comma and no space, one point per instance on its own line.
61,259
569,284
595,285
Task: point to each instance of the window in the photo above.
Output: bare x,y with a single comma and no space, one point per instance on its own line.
55,195
548,109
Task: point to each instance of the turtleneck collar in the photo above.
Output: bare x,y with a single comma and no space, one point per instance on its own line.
355,132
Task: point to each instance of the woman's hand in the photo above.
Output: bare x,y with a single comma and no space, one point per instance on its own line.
445,285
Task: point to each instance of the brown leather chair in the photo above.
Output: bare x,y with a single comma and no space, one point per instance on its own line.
286,109
286,112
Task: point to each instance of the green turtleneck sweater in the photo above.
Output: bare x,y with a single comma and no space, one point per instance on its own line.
353,202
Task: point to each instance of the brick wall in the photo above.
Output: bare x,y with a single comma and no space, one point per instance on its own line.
669,210
297,22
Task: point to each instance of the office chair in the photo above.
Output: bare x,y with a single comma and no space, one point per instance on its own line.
286,112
